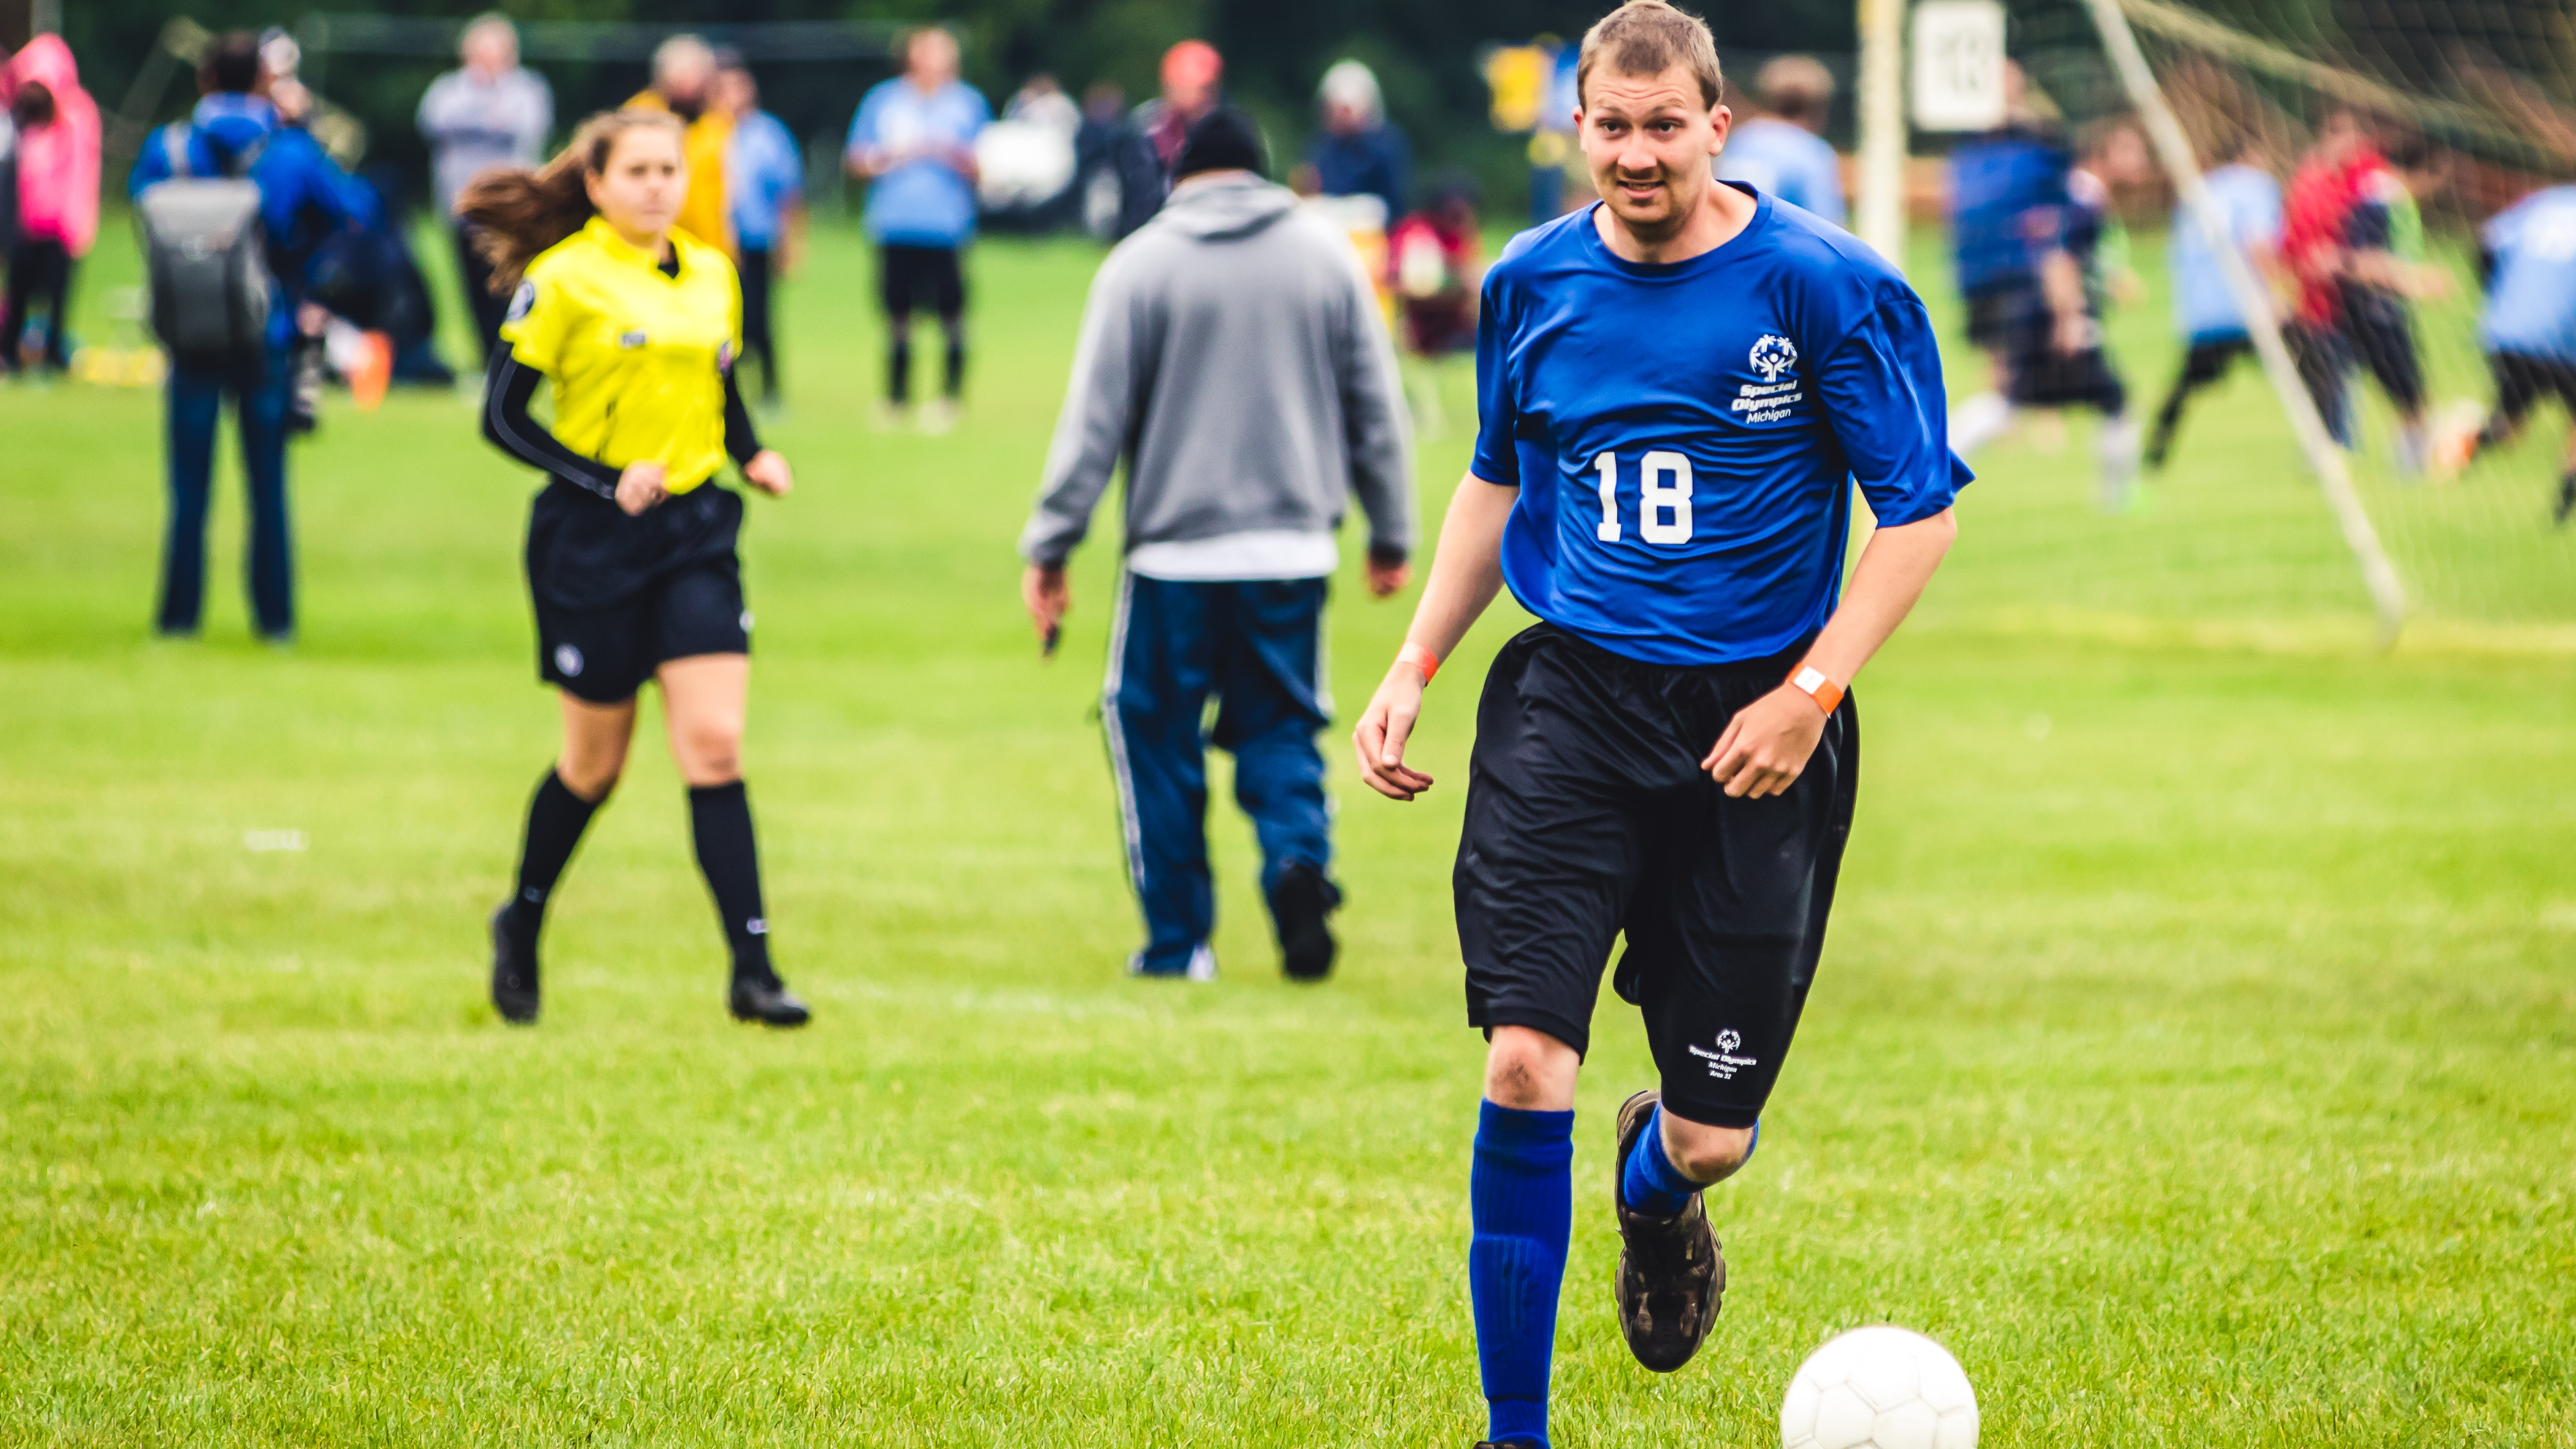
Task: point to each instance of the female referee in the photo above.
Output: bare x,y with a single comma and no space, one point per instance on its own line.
631,545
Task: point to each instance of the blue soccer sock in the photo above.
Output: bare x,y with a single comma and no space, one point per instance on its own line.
1650,1184
1522,1197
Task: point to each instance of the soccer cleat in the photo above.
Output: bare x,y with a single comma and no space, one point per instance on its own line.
1201,966
1299,906
1672,1272
766,999
2456,433
938,417
514,972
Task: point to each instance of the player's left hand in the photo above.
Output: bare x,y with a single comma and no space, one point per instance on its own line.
769,473
1767,745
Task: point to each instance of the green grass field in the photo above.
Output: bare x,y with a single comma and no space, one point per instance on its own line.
2195,1050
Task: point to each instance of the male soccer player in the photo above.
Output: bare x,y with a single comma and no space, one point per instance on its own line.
2528,257
2205,311
1678,387
913,142
1783,150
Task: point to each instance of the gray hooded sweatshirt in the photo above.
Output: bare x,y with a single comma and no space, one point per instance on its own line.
1233,353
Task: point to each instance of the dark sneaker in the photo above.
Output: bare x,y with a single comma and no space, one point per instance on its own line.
768,1002
1672,1275
2566,500
1299,904
514,971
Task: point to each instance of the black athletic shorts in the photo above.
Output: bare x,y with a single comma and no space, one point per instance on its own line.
617,597
1588,816
1991,311
2522,380
2043,377
2209,357
920,279
2383,340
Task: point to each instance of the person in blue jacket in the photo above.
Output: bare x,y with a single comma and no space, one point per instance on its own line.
304,198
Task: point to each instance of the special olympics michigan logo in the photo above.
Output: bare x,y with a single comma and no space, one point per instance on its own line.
1773,355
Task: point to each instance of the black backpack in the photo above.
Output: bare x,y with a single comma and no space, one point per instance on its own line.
206,259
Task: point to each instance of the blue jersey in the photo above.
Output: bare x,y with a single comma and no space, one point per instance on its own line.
1788,161
926,201
2249,202
2531,300
2008,203
764,175
1685,437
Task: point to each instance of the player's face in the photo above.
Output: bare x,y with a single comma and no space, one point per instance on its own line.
1647,140
640,188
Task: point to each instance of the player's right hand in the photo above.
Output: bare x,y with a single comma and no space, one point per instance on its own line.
640,487
1384,727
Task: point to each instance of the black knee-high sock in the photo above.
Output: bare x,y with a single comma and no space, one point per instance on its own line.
956,379
556,819
721,818
899,368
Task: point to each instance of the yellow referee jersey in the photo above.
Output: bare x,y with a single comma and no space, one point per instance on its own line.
636,356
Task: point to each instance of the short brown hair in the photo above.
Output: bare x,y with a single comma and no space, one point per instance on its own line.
1649,37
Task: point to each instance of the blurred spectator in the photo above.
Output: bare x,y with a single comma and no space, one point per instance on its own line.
765,177
56,160
1115,170
1782,151
1232,358
1358,153
1439,265
1042,102
303,197
364,275
491,112
1192,73
684,77
913,141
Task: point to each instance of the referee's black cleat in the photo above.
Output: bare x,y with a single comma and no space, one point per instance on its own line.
1672,1274
514,970
1299,906
766,999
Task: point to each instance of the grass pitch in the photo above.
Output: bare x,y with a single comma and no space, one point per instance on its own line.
2194,1053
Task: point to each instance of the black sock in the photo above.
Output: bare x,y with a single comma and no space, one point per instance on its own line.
556,819
899,369
956,378
721,817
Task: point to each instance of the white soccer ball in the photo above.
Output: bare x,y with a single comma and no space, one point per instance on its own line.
1880,1388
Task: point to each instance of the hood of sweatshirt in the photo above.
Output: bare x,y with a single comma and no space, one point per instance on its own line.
48,60
1226,210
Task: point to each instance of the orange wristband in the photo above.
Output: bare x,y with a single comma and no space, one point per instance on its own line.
1812,682
1420,658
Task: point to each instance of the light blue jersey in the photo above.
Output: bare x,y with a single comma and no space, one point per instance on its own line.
2204,310
764,175
924,202
2531,300
1685,437
1787,160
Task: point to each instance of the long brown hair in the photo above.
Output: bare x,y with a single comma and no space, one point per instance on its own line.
518,213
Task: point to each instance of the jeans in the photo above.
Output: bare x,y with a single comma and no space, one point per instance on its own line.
196,409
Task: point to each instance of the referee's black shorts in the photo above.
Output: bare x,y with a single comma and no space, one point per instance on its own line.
1588,815
617,597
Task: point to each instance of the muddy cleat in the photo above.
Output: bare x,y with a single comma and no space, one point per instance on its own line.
514,972
1672,1275
767,1001
1299,904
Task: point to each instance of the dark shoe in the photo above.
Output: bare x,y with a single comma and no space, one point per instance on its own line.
514,971
2566,501
768,1002
1299,904
1507,1444
1672,1275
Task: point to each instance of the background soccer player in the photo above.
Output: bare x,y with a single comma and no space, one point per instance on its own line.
2528,256
2205,311
913,142
1677,388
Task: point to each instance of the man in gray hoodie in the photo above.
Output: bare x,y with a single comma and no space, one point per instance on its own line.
1234,355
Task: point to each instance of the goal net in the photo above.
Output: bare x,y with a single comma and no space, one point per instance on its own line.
2361,153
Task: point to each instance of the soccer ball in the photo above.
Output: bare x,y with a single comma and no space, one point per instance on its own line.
1880,1388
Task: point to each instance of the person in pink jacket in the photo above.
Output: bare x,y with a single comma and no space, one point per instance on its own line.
58,141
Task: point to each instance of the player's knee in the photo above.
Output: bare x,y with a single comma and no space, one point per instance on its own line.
1704,1153
1529,1070
591,776
711,750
